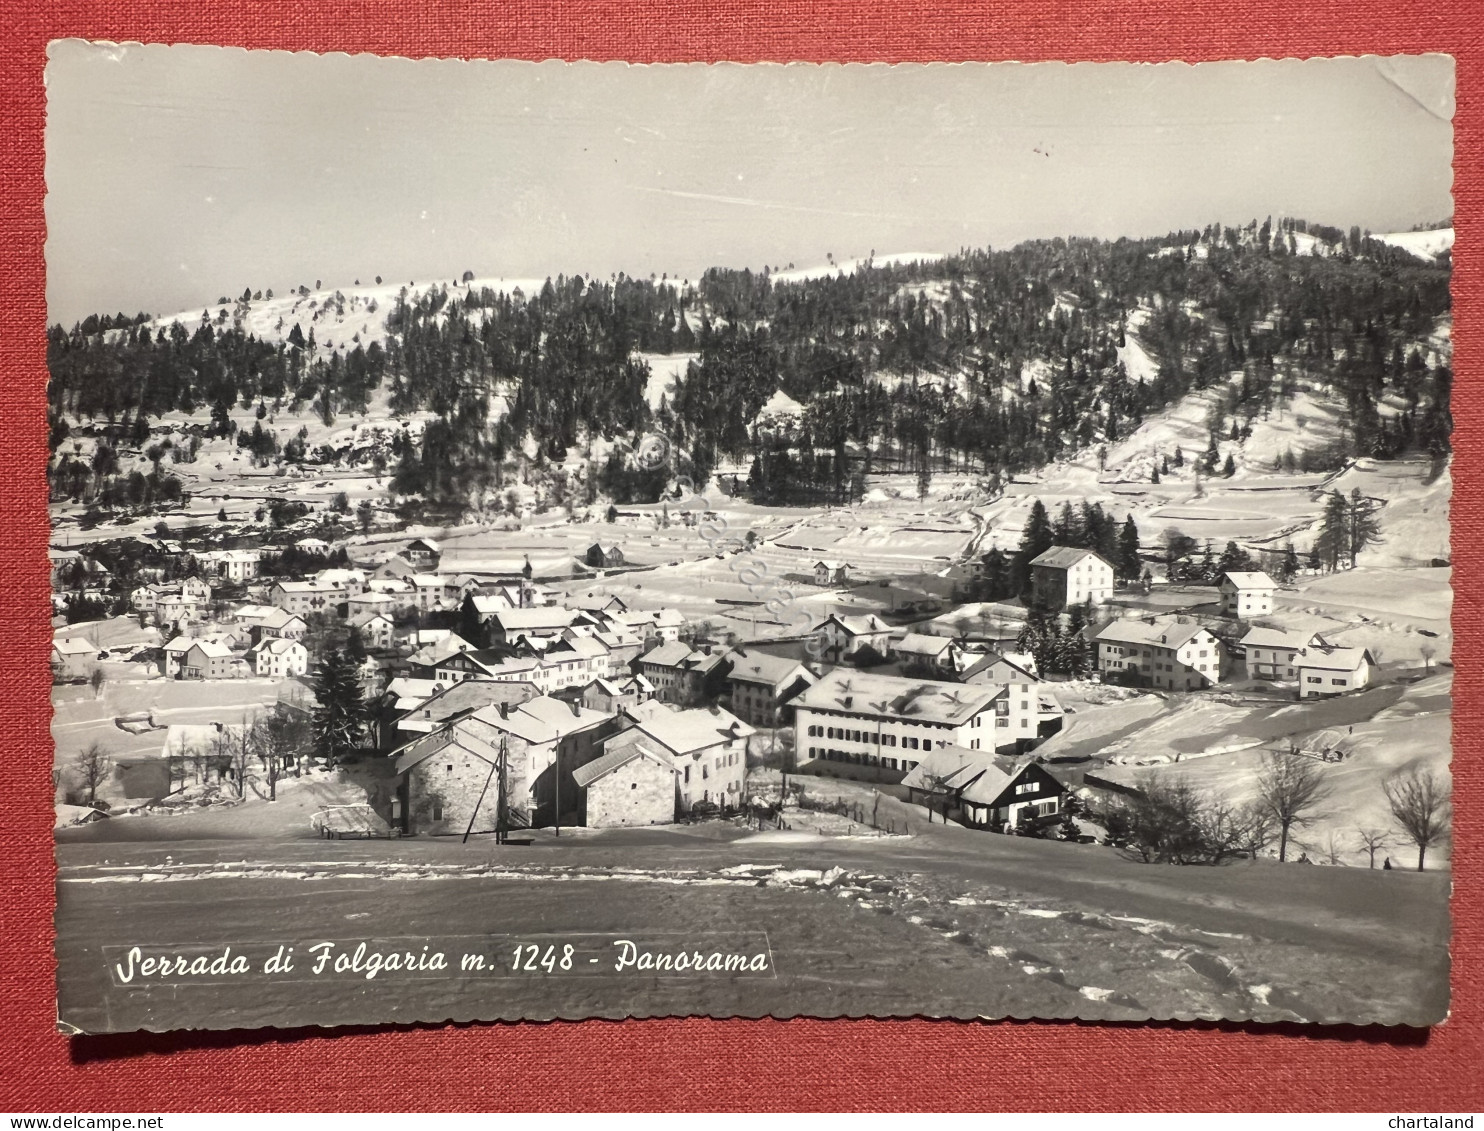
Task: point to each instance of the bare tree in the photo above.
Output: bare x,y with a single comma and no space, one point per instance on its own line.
1427,651
1372,841
93,766
1291,788
278,738
1422,806
233,750
96,680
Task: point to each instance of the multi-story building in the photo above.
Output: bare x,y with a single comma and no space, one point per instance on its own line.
1070,575
1246,595
1172,653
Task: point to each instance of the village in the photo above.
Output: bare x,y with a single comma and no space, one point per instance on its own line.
485,700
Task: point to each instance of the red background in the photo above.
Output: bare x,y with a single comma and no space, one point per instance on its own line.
692,1064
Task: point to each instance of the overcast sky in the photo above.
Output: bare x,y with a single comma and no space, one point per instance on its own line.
178,174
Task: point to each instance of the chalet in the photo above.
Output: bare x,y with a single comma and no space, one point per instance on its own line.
207,659
847,635
984,792
1272,652
423,553
305,597
375,629
1070,575
707,747
831,571
611,695
72,658
1246,595
629,785
1174,654
281,658
1325,670
172,655
928,652
762,685
599,556
860,724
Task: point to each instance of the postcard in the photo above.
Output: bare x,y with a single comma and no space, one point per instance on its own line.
576,540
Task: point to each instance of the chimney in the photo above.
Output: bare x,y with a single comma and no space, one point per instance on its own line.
849,699
576,709
504,710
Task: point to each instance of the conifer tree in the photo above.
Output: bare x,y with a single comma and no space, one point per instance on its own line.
340,716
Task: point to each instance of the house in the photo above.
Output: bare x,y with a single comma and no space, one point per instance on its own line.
234,565
997,668
664,624
599,556
983,791
197,590
172,655
831,571
312,546
425,660
172,608
428,590
449,702
676,670
1325,670
423,553
393,569
918,650
276,624
600,604
372,602
250,615
352,581
1172,653
144,598
445,777
375,628
847,635
1070,575
707,746
629,785
878,727
506,626
305,597
612,694
72,658
207,659
762,685
280,658
1246,595
1272,652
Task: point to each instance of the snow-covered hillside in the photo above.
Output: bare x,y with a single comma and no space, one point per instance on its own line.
851,266
1424,245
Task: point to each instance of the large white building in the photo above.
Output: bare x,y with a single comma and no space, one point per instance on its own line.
1326,670
1070,575
886,724
1272,652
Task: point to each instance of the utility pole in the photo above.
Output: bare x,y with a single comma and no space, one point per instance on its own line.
502,803
556,784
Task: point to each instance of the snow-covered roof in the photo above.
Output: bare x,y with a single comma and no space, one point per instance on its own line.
1162,633
1278,638
921,644
752,666
73,646
279,646
436,653
689,731
868,624
868,694
1332,659
1249,580
673,654
361,620
1065,557
213,649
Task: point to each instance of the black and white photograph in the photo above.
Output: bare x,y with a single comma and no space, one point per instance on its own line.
589,540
